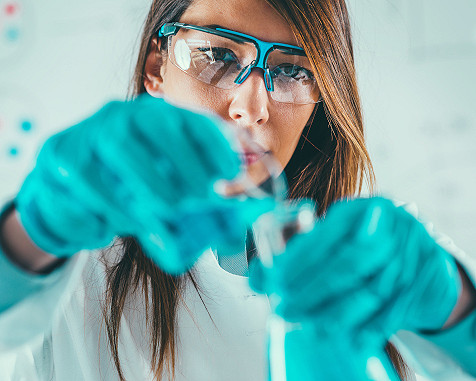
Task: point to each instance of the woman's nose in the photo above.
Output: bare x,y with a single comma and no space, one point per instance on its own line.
250,102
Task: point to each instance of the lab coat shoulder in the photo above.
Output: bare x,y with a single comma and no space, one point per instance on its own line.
28,319
220,335
467,261
434,355
67,315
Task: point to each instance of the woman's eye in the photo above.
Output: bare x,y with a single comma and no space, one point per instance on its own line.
219,54
298,73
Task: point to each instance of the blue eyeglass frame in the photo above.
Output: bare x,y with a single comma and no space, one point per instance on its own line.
263,48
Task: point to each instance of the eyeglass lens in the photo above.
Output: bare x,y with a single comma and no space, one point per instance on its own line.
218,61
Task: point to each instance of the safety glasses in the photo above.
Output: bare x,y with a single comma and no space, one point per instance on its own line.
224,58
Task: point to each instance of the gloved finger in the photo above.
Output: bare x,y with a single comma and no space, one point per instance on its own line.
200,224
159,246
292,265
190,139
390,316
221,221
307,252
305,256
382,290
171,154
91,181
52,233
215,145
56,169
317,292
150,174
366,232
250,209
130,205
147,164
344,313
101,168
169,248
347,267
359,219
81,201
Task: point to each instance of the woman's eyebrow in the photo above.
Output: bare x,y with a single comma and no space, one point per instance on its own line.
214,26
234,38
290,51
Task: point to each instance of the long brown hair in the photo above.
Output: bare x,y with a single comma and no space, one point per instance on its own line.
329,163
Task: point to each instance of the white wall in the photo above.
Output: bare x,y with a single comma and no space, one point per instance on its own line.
61,59
416,63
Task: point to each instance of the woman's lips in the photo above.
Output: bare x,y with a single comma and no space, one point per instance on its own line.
251,151
252,157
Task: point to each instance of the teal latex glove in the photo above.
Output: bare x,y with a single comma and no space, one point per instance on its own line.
134,169
368,266
310,356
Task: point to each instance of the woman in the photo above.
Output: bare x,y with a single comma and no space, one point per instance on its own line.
121,316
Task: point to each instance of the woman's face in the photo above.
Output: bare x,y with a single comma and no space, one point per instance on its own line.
275,126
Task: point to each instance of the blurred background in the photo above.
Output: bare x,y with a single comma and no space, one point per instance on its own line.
61,60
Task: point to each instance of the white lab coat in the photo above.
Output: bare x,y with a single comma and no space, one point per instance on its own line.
231,347
73,346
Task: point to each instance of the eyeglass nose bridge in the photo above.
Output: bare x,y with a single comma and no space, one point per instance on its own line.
260,62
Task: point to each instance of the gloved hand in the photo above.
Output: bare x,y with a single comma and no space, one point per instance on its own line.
368,266
311,356
134,169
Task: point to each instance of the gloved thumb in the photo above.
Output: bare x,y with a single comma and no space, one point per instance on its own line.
250,209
